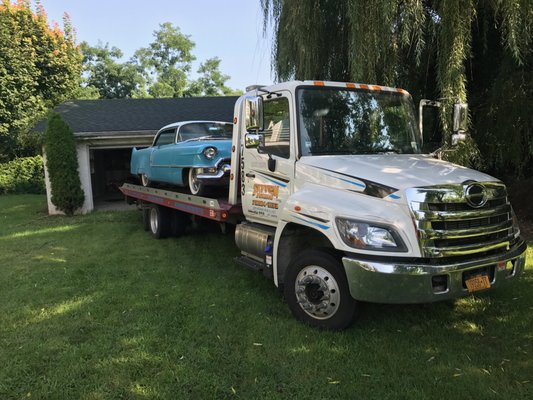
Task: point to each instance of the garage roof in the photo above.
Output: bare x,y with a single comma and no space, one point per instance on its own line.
127,115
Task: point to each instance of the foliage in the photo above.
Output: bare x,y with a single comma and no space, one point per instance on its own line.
39,68
163,69
121,315
211,81
166,62
22,175
502,100
107,76
430,46
62,165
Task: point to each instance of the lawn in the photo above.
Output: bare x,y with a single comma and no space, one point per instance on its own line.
92,307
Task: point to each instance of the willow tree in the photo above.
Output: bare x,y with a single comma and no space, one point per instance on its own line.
430,47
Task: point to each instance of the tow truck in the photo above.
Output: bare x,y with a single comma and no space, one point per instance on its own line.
332,199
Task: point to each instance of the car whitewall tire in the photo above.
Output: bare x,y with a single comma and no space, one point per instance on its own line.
196,187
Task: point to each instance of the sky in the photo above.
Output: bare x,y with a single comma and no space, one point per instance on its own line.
231,30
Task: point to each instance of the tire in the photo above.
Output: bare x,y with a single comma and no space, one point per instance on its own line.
160,222
145,181
196,187
179,223
146,218
317,292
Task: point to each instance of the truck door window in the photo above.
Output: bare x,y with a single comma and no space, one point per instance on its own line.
277,127
165,137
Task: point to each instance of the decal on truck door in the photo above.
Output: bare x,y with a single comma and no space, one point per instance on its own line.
265,200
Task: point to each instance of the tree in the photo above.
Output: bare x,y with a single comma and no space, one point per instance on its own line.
211,81
39,68
166,62
162,69
433,47
106,75
62,165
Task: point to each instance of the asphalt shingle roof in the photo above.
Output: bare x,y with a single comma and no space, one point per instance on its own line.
140,114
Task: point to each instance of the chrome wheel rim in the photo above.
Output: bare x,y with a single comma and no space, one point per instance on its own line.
154,221
317,292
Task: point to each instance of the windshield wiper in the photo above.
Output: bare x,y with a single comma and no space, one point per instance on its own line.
385,151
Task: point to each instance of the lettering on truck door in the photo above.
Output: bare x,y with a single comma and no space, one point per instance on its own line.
265,191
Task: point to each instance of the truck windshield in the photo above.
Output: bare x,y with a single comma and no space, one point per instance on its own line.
344,121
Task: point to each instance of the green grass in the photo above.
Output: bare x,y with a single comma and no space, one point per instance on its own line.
91,307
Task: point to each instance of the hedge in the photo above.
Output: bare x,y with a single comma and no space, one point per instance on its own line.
22,175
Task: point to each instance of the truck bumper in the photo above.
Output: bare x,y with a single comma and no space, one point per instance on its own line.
412,282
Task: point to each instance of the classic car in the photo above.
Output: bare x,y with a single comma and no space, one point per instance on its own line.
190,153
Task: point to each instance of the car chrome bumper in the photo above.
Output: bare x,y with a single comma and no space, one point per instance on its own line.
221,171
397,282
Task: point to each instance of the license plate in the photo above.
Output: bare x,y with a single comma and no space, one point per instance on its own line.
477,283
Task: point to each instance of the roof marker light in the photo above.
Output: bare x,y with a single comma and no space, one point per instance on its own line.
318,83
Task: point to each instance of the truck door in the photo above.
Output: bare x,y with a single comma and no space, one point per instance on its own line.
264,190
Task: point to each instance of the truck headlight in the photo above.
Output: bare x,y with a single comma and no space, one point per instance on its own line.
362,235
210,152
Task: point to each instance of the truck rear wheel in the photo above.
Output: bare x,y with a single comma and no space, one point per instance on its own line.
317,291
179,223
160,223
146,218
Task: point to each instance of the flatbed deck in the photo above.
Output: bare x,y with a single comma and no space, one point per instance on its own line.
216,209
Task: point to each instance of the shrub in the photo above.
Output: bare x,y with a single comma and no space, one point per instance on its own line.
22,175
62,164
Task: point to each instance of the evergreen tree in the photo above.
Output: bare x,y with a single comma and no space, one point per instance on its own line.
62,165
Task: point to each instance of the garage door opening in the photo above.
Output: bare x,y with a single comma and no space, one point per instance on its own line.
110,168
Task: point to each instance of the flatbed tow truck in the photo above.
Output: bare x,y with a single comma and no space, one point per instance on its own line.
332,199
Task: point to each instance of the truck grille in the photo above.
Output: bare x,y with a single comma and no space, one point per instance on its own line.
463,219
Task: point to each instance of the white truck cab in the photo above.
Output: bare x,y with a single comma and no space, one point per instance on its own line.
333,200
340,204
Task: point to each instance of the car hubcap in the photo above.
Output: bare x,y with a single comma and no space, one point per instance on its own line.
317,292
194,182
144,180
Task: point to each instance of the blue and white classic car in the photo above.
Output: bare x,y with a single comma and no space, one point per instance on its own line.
190,153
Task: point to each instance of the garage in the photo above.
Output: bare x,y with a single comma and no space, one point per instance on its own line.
110,168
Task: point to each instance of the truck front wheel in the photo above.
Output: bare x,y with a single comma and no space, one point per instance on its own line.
317,291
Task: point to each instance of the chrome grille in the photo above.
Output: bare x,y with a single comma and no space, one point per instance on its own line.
447,225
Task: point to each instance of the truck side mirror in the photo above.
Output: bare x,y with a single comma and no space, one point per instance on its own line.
254,113
253,140
460,123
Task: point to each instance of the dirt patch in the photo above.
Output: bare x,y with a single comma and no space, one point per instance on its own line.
521,196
